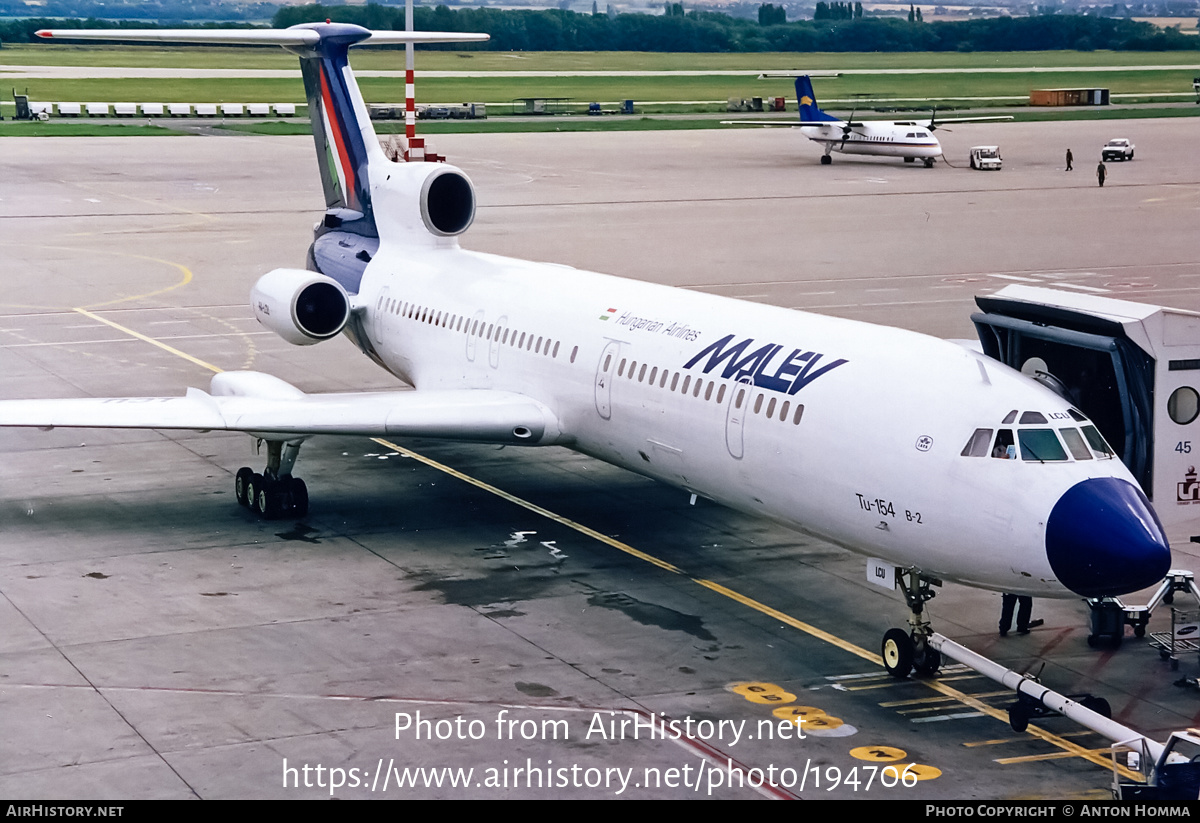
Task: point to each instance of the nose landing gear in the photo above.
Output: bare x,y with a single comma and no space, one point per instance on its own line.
904,652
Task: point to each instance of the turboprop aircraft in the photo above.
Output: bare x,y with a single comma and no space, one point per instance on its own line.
911,139
941,462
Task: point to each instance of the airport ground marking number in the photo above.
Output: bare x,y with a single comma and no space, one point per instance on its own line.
797,713
948,691
766,693
878,754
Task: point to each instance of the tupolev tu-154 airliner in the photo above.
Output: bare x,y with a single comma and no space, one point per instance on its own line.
939,461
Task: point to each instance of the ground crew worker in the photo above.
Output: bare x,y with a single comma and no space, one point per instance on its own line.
1070,157
1101,173
1023,604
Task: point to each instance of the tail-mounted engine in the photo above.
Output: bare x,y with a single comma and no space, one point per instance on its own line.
424,203
300,306
447,202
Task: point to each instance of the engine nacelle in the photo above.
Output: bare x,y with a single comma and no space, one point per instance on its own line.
427,204
300,306
447,202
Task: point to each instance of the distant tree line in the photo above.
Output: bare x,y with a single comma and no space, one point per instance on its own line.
162,11
771,15
837,11
700,31
697,31
22,30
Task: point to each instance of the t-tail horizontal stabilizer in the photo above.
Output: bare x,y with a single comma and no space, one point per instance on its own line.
347,147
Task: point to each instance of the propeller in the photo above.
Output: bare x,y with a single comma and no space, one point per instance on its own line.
848,128
933,126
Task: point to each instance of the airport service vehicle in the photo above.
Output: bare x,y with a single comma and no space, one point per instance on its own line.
1118,149
910,139
986,158
876,439
1169,771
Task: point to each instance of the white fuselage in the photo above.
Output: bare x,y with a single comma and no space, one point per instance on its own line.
872,463
880,139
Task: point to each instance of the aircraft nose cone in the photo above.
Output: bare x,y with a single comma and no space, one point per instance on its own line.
1103,538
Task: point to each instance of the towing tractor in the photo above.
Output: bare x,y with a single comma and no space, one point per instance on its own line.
986,158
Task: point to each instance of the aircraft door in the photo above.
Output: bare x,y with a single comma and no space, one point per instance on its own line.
381,312
735,416
494,348
472,334
604,377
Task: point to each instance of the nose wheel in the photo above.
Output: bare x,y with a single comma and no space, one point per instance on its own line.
274,493
903,654
903,651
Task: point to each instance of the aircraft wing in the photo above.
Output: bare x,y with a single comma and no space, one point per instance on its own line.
472,415
791,123
942,120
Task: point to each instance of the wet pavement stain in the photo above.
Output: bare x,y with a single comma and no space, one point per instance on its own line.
536,690
506,588
650,614
301,532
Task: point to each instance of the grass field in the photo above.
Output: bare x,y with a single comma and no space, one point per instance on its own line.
94,128
642,89
1171,73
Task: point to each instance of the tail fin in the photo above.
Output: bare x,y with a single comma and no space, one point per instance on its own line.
341,127
810,112
345,140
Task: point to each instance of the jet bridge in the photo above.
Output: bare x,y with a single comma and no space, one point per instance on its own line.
1133,368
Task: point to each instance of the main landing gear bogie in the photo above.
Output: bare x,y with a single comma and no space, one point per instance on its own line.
271,498
274,493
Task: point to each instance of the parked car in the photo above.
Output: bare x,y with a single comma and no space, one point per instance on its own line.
1119,149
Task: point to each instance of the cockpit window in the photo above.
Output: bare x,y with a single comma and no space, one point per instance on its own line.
1077,416
1040,444
1075,444
1096,441
977,446
1005,448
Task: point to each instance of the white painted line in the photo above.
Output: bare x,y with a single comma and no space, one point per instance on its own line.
1081,287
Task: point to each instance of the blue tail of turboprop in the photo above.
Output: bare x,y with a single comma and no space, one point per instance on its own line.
810,112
